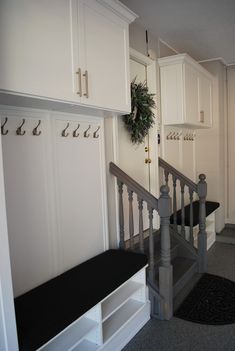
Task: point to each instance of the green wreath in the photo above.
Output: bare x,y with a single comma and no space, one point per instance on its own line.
141,118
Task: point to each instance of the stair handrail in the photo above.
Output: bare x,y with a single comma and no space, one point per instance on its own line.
133,185
172,170
163,207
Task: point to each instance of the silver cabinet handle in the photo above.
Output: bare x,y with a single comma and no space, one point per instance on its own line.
79,92
86,82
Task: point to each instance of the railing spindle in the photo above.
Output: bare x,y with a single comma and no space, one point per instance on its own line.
141,234
121,215
174,203
191,238
131,219
166,173
202,236
151,245
182,185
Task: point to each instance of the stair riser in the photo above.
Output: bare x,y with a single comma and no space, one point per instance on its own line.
184,279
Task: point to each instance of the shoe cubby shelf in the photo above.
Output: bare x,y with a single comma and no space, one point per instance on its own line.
111,323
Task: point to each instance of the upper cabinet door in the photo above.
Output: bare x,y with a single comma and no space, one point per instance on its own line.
35,50
205,101
103,57
191,102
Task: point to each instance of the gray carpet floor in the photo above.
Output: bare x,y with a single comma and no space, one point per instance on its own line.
180,335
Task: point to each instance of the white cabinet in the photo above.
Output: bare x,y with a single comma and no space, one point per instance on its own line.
73,51
102,57
186,92
35,50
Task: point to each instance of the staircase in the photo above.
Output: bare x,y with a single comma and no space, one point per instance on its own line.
174,261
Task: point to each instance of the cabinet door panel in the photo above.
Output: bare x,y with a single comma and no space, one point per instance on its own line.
105,57
205,96
35,53
191,95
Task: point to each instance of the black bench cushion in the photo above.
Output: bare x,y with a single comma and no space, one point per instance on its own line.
46,310
211,206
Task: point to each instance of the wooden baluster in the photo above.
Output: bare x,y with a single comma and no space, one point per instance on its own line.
202,236
121,216
182,185
174,203
131,219
141,233
191,238
166,173
151,245
165,269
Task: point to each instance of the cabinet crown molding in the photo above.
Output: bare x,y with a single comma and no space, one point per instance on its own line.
119,9
183,58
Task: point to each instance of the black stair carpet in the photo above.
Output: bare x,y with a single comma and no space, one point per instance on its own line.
212,301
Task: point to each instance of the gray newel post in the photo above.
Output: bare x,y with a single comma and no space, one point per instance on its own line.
202,236
165,269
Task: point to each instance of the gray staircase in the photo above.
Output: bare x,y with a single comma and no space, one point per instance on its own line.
174,262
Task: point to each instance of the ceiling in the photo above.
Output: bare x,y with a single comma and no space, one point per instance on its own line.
205,29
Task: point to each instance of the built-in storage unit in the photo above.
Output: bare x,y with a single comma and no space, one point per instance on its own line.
210,231
109,324
75,51
74,312
186,92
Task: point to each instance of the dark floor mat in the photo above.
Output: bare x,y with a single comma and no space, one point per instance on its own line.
212,301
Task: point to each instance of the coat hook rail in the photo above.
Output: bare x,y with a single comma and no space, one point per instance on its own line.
19,129
95,135
86,135
35,130
4,132
63,133
75,134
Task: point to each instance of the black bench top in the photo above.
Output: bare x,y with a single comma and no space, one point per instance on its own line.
46,310
211,206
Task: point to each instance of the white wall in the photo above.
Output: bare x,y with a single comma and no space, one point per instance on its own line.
231,146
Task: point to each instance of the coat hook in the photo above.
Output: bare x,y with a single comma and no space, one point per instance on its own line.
19,129
172,136
169,135
4,132
64,134
85,133
35,130
75,135
95,135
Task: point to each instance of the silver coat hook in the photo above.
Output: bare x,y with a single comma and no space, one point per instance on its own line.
86,135
35,130
19,129
63,133
75,134
95,135
4,132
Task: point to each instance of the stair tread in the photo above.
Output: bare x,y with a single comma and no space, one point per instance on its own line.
181,265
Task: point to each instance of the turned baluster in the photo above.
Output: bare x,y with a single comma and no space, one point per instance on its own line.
121,216
131,218
141,233
182,185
